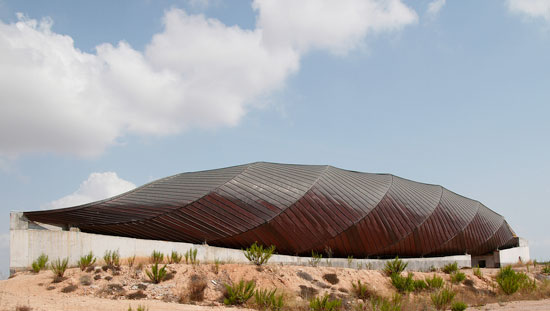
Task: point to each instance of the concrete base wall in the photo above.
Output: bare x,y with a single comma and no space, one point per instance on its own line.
504,257
29,240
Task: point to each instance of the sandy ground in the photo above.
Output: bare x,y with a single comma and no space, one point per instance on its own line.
537,305
108,290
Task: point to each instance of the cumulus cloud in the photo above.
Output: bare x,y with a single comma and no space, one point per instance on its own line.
531,8
338,26
435,6
197,72
98,186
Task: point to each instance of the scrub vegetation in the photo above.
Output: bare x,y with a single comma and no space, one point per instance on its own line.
277,287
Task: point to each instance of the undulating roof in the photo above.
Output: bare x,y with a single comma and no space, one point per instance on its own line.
298,208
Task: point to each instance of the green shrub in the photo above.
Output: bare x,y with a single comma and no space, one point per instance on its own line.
315,259
395,266
59,266
546,269
324,303
259,255
457,277
86,261
403,284
156,257
435,282
450,268
420,285
360,290
508,280
191,256
477,272
112,258
442,298
156,274
268,300
511,281
459,306
239,293
139,308
384,304
40,263
175,257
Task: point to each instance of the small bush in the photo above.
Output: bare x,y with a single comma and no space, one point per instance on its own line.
69,288
443,298
112,258
360,290
59,266
477,272
546,269
40,263
136,295
420,285
191,256
23,308
196,287
139,308
508,280
450,268
131,261
403,284
86,261
307,292
384,304
434,282
175,257
304,275
395,266
216,266
324,303
156,257
239,293
268,300
315,259
332,278
459,306
457,277
85,280
259,255
156,274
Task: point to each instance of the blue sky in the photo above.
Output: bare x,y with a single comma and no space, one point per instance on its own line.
455,93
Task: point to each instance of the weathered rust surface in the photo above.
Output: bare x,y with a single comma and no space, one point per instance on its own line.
298,208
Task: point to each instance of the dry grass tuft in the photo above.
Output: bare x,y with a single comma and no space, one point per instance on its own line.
195,288
332,278
69,288
136,295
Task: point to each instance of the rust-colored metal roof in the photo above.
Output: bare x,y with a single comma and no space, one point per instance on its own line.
298,208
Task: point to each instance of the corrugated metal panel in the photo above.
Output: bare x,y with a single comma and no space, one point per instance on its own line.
298,208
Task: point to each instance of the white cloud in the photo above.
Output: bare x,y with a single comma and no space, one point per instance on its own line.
531,8
338,26
98,186
197,72
435,6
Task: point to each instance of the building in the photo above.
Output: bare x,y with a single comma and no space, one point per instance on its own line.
300,209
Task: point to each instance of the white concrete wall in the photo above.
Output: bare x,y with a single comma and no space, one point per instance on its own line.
27,244
514,255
